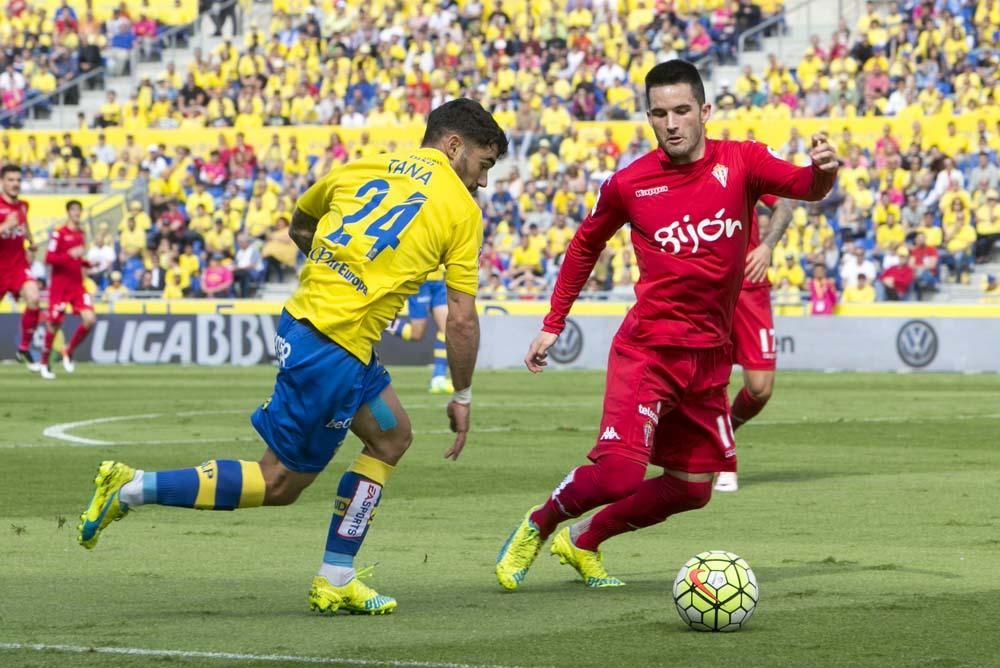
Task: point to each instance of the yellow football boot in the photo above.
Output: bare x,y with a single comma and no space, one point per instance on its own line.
588,564
105,507
354,597
518,553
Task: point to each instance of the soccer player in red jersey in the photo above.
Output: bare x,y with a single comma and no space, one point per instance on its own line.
15,267
689,203
65,257
753,324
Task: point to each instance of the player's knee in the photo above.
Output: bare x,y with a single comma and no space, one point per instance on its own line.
281,486
88,318
417,329
760,388
619,476
391,446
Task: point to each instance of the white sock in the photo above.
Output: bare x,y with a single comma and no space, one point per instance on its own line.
576,529
131,492
338,576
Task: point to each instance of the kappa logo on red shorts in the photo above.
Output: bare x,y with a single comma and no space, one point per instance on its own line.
610,435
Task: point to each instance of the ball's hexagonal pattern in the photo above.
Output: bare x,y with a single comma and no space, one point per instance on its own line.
715,591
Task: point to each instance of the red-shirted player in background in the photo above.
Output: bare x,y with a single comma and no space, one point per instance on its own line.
15,265
689,204
65,257
753,325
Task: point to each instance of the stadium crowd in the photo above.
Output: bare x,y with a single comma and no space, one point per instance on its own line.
905,215
49,44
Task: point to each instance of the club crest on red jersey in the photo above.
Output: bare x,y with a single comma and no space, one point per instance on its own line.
721,173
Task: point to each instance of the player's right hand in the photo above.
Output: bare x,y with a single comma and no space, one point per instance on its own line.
758,261
458,416
538,352
823,154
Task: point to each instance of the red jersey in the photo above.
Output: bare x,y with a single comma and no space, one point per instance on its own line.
690,227
13,258
770,201
67,271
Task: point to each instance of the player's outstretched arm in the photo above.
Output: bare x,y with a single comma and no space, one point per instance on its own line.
759,259
302,230
462,335
582,253
770,174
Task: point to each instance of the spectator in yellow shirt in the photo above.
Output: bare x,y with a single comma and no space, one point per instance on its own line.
559,234
131,240
889,235
543,164
173,289
791,271
860,292
219,239
526,259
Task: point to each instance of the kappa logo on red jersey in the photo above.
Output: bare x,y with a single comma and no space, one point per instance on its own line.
683,231
721,173
649,192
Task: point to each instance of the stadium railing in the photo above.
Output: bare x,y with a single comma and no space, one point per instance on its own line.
54,99
753,35
193,36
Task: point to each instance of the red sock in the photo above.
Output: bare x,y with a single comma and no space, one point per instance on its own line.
744,408
29,323
78,336
655,500
50,336
610,478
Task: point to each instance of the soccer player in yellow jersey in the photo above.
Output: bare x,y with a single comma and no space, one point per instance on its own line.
372,231
431,299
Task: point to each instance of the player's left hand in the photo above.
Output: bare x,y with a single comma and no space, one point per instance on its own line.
823,154
758,261
458,416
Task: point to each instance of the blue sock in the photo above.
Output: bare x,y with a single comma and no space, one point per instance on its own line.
358,495
402,328
222,484
440,356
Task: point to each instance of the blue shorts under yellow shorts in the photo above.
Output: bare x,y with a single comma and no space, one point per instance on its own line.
319,388
431,295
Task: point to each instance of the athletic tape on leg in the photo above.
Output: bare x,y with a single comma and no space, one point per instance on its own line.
384,416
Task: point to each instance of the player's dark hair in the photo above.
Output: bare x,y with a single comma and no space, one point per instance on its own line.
73,202
7,169
676,72
468,119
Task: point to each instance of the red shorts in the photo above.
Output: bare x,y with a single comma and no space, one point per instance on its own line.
753,331
668,407
12,281
78,300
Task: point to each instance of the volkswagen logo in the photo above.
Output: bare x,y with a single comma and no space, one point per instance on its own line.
569,345
917,344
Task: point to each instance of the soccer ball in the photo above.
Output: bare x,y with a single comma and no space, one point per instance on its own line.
715,591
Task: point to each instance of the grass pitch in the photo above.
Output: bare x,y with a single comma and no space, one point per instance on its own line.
868,509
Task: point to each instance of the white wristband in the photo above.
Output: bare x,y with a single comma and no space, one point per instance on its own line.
463,397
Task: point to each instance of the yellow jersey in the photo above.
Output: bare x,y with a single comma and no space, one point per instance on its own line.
386,223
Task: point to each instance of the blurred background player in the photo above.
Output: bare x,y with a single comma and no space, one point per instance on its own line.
15,262
432,298
665,401
410,210
753,324
65,258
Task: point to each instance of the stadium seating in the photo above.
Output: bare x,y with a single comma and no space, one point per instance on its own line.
566,82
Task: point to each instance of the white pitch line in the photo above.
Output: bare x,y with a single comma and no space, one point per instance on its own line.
60,431
233,656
